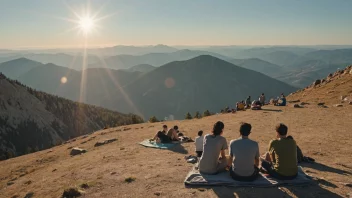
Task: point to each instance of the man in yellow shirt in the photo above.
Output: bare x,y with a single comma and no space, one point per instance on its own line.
281,160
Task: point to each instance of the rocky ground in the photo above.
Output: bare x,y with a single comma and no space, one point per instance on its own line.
122,168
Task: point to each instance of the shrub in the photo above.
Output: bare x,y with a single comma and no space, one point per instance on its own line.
188,116
206,113
153,119
197,115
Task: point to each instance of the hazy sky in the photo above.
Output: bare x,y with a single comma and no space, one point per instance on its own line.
37,23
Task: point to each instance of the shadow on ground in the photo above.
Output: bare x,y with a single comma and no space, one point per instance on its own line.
179,149
309,191
322,167
275,110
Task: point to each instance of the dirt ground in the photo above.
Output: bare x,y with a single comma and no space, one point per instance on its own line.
322,133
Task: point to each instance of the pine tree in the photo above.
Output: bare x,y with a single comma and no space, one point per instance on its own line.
197,115
206,113
188,116
153,119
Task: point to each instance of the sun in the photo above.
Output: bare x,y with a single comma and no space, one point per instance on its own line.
86,24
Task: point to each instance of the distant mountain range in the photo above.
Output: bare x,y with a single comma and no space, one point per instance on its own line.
31,120
201,83
297,66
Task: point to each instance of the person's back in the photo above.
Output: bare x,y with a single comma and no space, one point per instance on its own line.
199,143
284,151
214,145
244,152
283,101
240,106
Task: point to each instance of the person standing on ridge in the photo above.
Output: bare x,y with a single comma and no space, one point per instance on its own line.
262,99
248,102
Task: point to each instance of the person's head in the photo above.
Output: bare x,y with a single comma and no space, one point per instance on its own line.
176,127
281,130
218,128
200,133
164,127
262,94
245,128
289,137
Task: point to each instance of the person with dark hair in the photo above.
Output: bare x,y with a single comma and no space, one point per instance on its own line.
281,160
161,137
199,143
214,145
262,99
172,133
248,102
283,101
244,156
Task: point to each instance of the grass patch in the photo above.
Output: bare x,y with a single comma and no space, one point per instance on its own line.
130,179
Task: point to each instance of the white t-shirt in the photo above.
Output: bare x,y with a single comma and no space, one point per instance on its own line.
199,143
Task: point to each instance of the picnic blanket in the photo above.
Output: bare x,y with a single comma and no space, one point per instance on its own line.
147,143
196,179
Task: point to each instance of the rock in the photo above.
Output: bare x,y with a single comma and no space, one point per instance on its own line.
84,186
338,105
347,184
304,103
321,103
112,173
29,195
77,151
297,106
28,182
10,183
157,193
350,102
71,193
54,170
105,142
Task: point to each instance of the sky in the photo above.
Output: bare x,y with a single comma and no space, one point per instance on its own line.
43,23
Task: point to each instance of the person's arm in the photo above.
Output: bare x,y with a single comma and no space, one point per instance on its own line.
222,153
256,159
229,162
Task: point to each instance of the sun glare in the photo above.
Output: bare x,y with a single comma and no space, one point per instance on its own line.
86,24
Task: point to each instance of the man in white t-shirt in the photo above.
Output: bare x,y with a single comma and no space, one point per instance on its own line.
244,156
199,143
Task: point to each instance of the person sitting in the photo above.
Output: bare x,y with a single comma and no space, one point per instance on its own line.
282,101
300,156
214,145
244,156
281,160
199,143
161,137
262,99
240,106
256,105
172,133
248,102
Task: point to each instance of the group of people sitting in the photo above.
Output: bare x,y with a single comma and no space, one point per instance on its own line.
249,104
244,162
280,101
167,136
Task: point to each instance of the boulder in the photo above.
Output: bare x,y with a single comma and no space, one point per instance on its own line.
100,143
77,151
338,105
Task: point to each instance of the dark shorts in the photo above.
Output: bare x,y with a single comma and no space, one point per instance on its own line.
269,167
199,153
250,178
